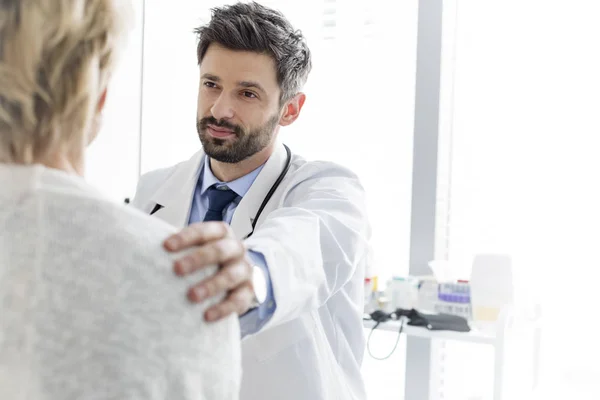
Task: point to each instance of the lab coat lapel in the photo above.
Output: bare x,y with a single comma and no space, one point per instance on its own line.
245,212
176,194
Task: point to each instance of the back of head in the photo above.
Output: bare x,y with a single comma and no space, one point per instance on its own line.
55,61
254,27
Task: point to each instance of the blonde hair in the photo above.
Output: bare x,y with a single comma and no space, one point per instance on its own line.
56,57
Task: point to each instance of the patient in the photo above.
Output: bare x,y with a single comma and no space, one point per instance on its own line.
78,320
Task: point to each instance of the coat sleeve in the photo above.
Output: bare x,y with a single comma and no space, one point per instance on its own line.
315,242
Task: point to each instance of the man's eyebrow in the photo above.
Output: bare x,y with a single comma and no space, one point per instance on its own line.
210,77
251,84
245,84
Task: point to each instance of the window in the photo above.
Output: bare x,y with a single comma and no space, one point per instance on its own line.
520,105
360,108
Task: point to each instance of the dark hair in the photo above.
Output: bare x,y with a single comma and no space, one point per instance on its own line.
254,27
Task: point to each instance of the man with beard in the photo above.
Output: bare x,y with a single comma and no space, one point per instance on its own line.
290,236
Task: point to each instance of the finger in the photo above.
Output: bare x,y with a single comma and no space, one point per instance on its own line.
219,252
238,302
197,235
227,278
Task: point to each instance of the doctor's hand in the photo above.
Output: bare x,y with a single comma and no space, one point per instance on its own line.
216,245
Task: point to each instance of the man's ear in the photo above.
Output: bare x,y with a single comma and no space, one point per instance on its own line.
291,111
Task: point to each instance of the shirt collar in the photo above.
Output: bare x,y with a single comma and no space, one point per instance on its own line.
239,186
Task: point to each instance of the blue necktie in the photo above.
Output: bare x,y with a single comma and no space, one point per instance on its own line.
218,200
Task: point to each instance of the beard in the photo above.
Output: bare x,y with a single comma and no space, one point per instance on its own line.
244,145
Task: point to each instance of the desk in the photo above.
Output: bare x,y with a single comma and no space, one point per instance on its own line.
494,337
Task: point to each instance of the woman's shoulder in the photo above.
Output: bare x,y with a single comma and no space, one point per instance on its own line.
87,218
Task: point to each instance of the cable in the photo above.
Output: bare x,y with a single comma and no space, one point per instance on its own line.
379,317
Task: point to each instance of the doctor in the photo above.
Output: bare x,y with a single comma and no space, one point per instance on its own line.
291,236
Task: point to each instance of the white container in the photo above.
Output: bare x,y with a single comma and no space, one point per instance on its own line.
427,297
402,293
491,286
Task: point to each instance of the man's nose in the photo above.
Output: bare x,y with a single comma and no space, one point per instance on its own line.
222,108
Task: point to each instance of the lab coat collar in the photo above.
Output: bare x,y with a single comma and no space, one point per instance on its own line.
239,186
246,211
176,194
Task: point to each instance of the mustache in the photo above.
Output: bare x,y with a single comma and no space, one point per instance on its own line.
204,122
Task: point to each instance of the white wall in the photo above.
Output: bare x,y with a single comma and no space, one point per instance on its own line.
113,159
170,81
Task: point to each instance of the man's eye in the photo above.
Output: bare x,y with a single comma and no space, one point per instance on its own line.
249,94
210,84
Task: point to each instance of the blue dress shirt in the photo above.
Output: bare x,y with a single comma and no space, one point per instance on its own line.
252,321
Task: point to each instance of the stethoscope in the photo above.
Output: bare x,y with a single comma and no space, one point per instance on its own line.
267,198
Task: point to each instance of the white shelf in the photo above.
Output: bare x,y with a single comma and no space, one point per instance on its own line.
495,336
474,336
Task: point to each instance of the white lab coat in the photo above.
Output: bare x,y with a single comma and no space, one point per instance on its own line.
89,305
314,236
